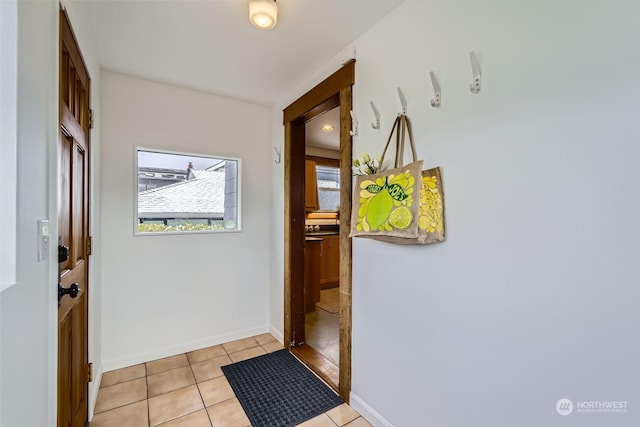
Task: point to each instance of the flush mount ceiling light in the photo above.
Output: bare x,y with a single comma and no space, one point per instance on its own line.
327,128
263,14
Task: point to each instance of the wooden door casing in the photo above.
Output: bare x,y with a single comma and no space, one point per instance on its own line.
73,226
332,92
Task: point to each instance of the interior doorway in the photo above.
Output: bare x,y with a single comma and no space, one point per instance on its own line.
322,234
333,92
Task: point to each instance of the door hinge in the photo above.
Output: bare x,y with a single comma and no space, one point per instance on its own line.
90,119
89,372
89,244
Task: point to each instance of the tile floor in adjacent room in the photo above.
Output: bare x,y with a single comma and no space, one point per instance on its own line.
190,390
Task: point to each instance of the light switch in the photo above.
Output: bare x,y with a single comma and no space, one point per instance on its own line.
43,239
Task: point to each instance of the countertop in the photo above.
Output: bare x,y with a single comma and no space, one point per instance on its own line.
322,233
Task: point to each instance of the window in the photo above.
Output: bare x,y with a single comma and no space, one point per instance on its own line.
178,193
328,188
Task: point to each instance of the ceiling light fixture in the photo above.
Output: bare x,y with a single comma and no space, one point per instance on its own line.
327,128
263,14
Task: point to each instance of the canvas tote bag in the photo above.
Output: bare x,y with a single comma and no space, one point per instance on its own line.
430,202
386,203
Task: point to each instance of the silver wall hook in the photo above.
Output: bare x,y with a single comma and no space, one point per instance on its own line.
354,124
403,101
435,102
376,114
475,68
278,155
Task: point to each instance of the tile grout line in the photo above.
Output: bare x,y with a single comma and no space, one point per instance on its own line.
125,404
146,378
204,405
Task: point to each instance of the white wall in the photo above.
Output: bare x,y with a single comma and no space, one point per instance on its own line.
28,310
164,295
534,296
8,143
85,41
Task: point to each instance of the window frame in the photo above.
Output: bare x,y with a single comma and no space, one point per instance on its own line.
136,218
328,189
9,144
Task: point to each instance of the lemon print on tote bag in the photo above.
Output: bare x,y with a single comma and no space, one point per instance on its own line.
385,208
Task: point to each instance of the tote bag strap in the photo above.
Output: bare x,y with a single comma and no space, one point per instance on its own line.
401,127
386,147
406,129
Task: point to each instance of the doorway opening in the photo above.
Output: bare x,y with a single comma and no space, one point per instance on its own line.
322,234
307,255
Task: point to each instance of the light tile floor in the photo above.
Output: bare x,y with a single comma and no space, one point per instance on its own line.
190,390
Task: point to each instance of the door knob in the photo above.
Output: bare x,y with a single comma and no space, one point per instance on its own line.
63,253
72,291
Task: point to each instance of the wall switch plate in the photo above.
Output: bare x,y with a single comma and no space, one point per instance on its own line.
43,239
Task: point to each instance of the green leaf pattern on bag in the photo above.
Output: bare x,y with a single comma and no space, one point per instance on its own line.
374,188
397,192
380,198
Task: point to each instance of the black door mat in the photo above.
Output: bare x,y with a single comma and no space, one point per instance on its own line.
276,390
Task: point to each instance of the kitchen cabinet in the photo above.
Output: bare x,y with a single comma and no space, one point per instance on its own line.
333,259
310,186
330,261
311,273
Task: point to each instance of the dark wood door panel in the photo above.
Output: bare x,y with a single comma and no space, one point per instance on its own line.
73,222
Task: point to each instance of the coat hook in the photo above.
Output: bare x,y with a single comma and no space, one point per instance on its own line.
435,102
403,101
376,114
354,124
278,152
475,68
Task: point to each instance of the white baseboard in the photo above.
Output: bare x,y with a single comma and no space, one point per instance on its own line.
159,353
94,388
277,334
368,412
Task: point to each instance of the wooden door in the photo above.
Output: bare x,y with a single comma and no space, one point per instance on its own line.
73,225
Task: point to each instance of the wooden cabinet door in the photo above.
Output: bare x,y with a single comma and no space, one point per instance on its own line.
323,273
311,274
333,259
310,186
330,261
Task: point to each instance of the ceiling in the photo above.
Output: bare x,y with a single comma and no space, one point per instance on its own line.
316,137
210,45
